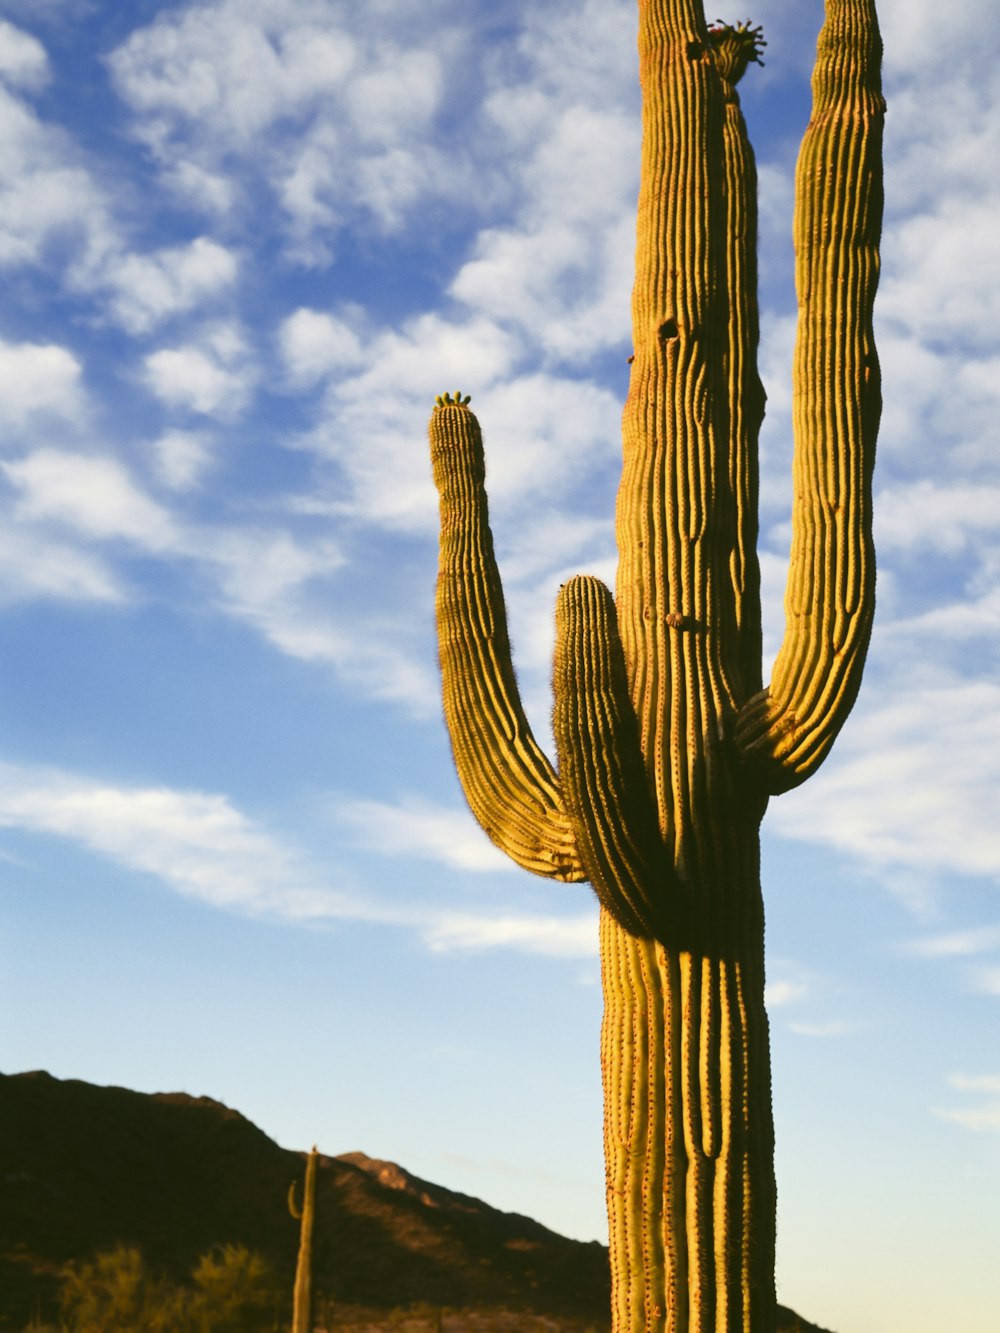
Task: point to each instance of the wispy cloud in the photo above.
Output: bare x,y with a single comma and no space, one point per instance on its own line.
23,60
957,943
147,289
211,375
295,97
418,827
834,1027
559,937
198,843
93,495
34,566
913,783
201,845
784,991
39,381
47,190
981,1118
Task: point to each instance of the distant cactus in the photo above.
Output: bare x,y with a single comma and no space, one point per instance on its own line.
302,1306
668,746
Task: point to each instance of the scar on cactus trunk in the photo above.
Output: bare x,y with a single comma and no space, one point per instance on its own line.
668,745
302,1301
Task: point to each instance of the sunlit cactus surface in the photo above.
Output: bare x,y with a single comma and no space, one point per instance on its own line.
668,743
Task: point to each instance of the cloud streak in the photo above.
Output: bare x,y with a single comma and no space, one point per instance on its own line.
199,844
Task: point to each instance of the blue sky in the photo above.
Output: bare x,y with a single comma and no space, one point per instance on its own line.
243,244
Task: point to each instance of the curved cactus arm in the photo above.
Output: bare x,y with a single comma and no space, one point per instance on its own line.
293,1207
508,781
788,729
734,47
605,784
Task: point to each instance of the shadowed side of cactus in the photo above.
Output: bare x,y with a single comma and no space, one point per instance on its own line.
302,1301
668,745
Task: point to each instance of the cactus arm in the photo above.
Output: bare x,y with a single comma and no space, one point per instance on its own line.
293,1207
829,602
605,785
509,783
734,48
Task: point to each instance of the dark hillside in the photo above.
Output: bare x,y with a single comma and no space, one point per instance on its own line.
83,1168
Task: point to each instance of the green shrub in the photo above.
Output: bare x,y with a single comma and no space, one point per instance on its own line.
231,1291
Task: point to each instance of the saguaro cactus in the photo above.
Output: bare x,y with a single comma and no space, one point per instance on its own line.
668,746
302,1301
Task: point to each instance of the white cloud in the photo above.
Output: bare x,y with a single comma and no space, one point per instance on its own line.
957,943
304,97
560,271
913,783
401,90
23,60
984,1117
936,516
372,422
264,579
148,289
785,991
197,843
975,1083
560,937
39,380
201,845
93,495
315,345
34,566
416,827
236,71
212,376
945,272
564,288
182,457
46,192
831,1028
979,1119
538,428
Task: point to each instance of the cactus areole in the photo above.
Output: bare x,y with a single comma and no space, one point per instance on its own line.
668,744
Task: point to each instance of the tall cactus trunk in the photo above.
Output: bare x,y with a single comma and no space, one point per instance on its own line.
302,1299
668,747
689,1142
688,1137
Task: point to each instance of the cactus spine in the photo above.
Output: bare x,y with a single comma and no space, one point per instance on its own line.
302,1301
668,747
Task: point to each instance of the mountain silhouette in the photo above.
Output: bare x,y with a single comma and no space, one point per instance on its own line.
84,1168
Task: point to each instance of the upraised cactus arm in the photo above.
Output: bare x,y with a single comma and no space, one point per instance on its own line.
508,781
830,595
735,46
596,820
602,769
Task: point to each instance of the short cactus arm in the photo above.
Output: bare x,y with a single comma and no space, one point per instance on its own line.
829,602
605,783
508,781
